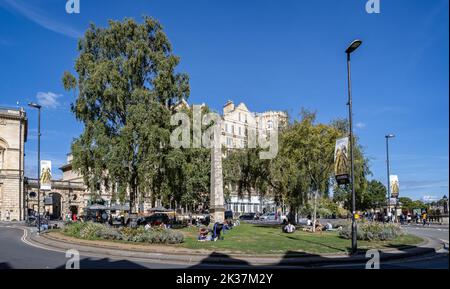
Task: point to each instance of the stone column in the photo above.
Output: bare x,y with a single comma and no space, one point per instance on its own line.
216,198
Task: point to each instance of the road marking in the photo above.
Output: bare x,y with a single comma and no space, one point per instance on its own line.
93,255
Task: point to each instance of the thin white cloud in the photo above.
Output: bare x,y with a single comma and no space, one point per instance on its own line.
48,99
360,125
428,198
38,17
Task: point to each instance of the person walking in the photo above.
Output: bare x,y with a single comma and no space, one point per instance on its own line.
424,218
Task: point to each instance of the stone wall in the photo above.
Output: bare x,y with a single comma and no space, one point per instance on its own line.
13,133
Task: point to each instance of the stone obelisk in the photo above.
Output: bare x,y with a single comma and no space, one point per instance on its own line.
217,209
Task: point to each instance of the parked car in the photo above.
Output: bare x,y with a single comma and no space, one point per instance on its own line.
153,220
228,215
247,216
268,217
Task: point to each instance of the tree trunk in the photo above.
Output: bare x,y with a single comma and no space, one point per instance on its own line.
315,211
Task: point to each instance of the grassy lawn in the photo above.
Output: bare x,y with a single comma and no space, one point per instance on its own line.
248,238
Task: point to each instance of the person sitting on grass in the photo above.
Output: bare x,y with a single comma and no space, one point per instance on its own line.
203,234
289,228
319,226
227,225
328,227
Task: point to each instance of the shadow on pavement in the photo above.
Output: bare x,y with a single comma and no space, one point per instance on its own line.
307,260
106,263
5,265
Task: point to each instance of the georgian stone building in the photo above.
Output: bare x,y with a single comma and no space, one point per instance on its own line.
13,135
236,122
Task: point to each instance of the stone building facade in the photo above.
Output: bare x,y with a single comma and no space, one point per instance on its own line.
237,119
67,194
13,135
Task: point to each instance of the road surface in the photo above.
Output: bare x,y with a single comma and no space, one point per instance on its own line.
17,252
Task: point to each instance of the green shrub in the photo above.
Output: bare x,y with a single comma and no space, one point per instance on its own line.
73,229
109,234
372,231
91,230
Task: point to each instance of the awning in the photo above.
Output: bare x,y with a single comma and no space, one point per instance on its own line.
96,207
118,207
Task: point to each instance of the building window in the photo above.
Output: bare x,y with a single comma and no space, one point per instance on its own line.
239,116
255,208
226,127
232,129
239,130
243,208
229,141
235,207
2,157
269,124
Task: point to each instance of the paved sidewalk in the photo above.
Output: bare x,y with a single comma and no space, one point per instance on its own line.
172,254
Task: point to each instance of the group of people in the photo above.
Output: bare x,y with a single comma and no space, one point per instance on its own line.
162,225
214,234
71,217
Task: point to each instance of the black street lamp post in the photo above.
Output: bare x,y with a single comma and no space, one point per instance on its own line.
352,47
38,107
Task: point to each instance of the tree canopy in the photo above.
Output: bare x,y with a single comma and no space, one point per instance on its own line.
126,82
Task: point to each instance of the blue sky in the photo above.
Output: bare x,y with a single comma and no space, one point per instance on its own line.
269,54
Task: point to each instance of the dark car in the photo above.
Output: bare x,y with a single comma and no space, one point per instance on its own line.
153,220
228,215
247,216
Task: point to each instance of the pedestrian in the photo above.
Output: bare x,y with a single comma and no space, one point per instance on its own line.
438,216
424,218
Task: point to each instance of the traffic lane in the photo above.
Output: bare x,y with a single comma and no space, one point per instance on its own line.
437,260
14,253
435,233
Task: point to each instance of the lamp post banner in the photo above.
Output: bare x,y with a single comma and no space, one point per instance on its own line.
395,188
46,175
341,161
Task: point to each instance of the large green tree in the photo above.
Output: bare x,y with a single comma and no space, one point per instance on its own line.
409,205
375,196
126,83
303,167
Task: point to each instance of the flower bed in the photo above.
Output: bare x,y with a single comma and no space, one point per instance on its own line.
92,231
372,231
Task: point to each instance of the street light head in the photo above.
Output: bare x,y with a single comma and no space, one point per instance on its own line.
34,105
390,135
353,46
